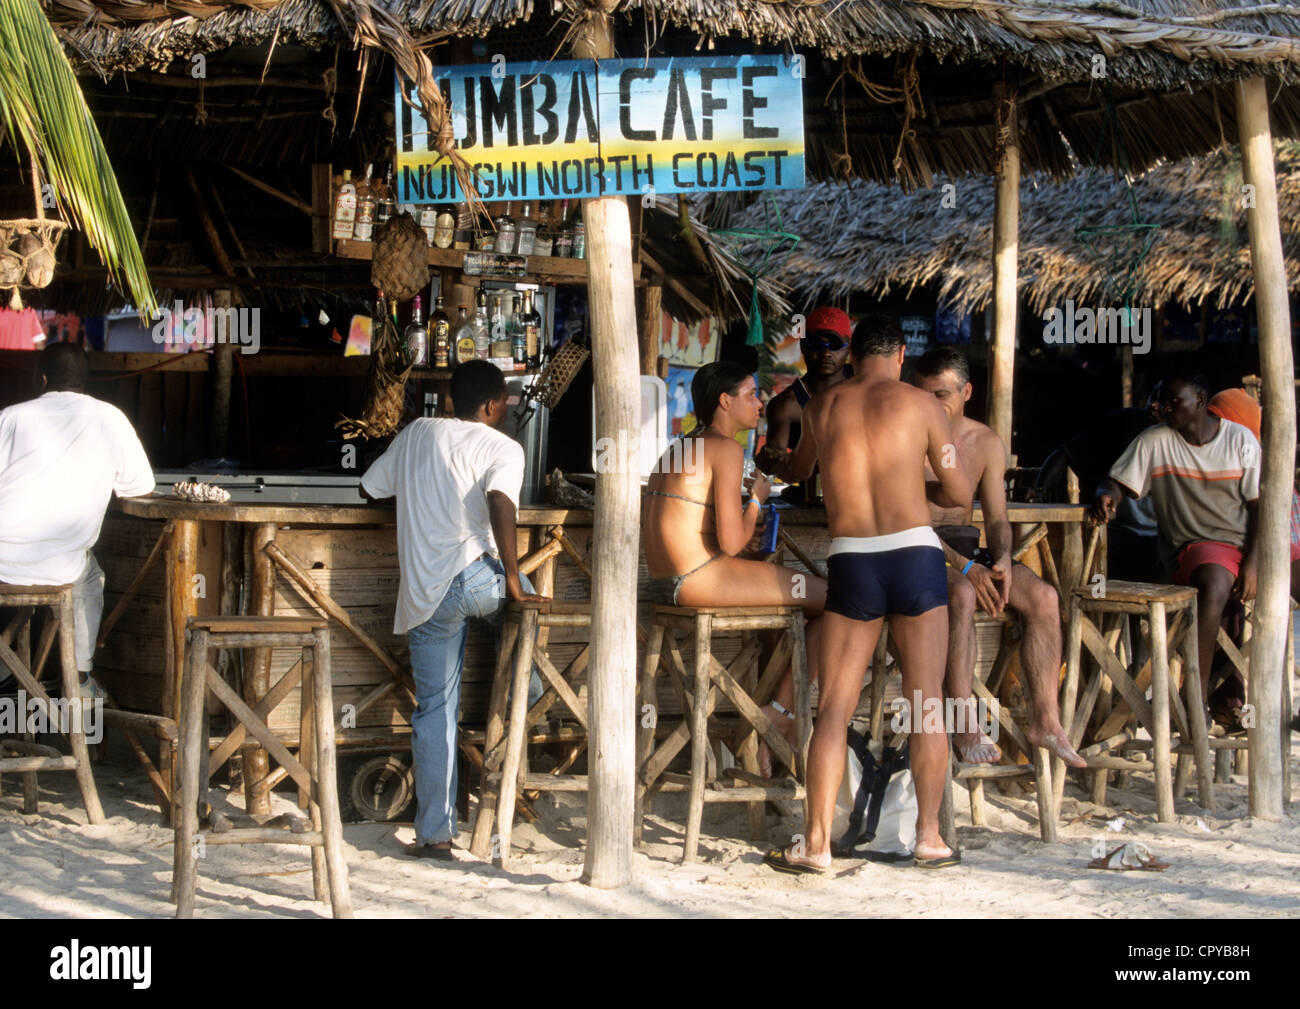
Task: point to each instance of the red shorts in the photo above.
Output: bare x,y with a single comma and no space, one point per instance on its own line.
1201,552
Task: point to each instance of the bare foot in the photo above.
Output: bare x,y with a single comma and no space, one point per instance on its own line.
931,851
785,726
1055,742
976,748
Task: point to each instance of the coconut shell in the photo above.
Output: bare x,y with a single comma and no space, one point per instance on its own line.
40,260
11,270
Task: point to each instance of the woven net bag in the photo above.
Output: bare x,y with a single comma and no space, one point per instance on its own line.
28,248
385,385
400,267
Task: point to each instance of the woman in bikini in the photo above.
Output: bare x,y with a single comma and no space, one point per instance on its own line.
694,524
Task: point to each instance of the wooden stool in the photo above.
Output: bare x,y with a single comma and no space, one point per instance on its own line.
1117,735
316,778
742,685
524,643
27,756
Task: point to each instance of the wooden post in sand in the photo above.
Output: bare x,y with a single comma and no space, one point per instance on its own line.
1268,677
1006,247
615,541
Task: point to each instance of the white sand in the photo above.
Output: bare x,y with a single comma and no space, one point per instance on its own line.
1221,864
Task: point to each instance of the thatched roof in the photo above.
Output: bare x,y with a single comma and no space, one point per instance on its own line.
895,89
875,239
1152,42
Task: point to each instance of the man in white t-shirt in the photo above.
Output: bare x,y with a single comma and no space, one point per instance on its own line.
1202,473
457,483
61,457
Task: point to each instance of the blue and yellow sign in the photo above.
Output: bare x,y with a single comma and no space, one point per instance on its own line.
576,129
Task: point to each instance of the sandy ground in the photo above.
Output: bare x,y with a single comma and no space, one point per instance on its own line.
1220,864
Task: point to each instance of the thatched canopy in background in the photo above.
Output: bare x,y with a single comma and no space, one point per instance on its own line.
896,89
875,239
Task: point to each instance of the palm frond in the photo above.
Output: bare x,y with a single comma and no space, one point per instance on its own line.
42,105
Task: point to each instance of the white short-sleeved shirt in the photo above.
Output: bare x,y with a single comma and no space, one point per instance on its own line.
61,457
441,470
1199,492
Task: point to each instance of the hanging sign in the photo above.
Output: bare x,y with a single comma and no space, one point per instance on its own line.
576,129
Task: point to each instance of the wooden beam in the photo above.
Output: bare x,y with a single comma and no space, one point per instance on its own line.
651,299
615,540
257,183
1268,678
1006,246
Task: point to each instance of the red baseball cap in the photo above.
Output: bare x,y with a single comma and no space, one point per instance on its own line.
829,320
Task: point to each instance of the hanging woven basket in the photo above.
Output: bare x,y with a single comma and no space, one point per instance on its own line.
29,247
401,263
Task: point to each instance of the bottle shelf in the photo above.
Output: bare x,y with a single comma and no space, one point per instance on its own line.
542,269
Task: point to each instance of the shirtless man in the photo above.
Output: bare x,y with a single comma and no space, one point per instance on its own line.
873,435
825,350
987,578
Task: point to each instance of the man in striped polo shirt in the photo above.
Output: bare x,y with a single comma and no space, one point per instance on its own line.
1202,473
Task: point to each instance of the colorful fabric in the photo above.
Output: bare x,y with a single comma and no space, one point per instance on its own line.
1239,406
20,330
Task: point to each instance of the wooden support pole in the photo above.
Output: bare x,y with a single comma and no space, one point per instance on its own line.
615,540
257,798
651,299
1273,601
1006,246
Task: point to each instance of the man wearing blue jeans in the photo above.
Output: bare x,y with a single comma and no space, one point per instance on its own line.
457,483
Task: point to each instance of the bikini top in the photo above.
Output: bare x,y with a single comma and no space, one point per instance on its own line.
679,497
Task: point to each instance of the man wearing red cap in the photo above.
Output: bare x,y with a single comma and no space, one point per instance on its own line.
825,353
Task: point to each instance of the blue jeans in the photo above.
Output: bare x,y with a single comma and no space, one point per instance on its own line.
437,658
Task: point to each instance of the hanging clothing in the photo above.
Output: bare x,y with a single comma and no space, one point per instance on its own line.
20,330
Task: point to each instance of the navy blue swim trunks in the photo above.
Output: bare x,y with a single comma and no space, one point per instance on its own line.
900,574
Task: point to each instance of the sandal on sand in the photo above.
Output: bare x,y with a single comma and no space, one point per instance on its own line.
940,862
430,851
779,859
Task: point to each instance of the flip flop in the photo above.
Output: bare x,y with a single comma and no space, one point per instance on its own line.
430,851
779,860
941,862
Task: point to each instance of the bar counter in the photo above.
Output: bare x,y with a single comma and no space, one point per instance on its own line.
167,559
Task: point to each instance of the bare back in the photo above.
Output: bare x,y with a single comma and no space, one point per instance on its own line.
873,437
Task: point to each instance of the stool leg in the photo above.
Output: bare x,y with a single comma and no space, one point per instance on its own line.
1160,713
186,817
879,678
1044,787
645,738
327,781
1288,666
1195,702
307,757
481,840
699,734
1099,782
516,732
976,788
76,738
31,786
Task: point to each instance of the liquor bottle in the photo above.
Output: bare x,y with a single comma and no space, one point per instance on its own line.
381,310
500,338
430,405
530,321
440,335
345,207
364,228
384,208
518,348
482,332
526,229
416,338
579,235
464,338
544,242
444,230
429,222
505,225
464,235
563,247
